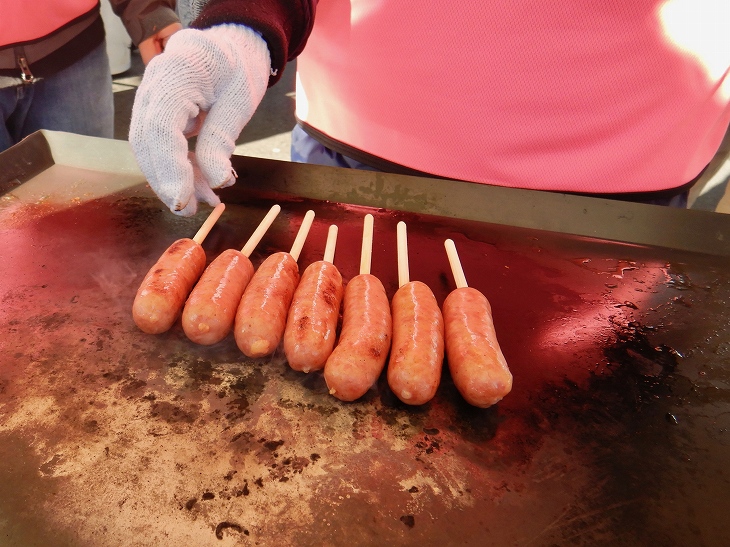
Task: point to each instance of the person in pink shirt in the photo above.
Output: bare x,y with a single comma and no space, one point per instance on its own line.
54,69
622,98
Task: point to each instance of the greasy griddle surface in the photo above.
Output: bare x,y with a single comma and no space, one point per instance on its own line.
615,432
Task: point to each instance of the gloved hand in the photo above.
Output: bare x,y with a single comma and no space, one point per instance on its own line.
209,80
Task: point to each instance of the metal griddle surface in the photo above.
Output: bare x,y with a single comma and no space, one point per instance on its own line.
616,431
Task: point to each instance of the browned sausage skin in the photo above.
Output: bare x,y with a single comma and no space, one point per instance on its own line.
261,315
211,307
475,360
417,352
163,292
360,355
311,327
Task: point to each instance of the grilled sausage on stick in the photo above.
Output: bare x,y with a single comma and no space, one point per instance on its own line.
476,363
311,327
210,309
417,352
163,292
261,315
360,355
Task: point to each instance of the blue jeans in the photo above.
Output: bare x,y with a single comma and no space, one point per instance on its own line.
306,149
78,99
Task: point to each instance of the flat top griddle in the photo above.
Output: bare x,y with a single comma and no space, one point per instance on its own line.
616,431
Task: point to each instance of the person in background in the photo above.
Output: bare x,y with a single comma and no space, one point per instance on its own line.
622,99
54,69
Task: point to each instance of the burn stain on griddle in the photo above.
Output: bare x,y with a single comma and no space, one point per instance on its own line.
396,414
360,422
477,425
313,381
201,371
282,467
23,482
132,386
91,426
323,410
638,375
230,526
473,424
620,412
288,467
643,371
243,490
115,375
143,216
238,408
427,445
49,467
297,464
173,414
50,322
244,390
408,520
244,436
271,445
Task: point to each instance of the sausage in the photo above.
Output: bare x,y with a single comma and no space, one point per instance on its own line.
417,352
360,355
311,327
476,363
261,314
163,292
209,312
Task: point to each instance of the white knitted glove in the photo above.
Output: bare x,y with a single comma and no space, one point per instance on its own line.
222,71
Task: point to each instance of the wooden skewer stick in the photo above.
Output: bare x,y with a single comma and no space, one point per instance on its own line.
296,248
259,232
455,263
402,243
329,248
367,245
208,224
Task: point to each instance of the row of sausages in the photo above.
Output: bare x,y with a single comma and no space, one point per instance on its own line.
263,306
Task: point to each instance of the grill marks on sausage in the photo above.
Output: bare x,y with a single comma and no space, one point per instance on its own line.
311,328
303,323
359,358
166,286
211,308
331,294
262,312
176,246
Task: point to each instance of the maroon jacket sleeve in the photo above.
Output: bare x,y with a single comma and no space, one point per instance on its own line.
284,24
